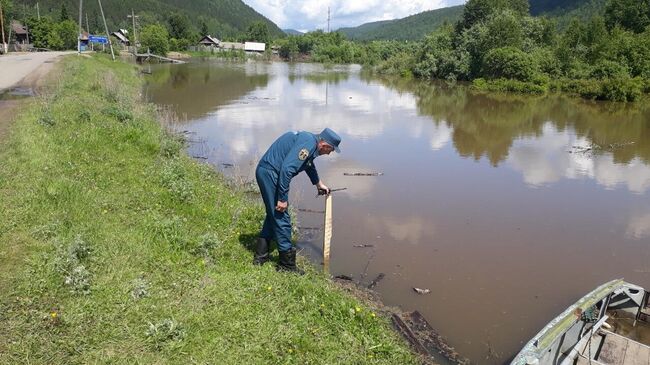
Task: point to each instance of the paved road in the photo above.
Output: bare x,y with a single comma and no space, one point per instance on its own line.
15,67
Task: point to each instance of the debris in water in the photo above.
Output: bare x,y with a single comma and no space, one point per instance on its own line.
422,291
310,211
227,165
343,277
363,173
199,157
376,281
363,246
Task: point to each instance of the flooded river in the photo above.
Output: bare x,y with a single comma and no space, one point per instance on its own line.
507,208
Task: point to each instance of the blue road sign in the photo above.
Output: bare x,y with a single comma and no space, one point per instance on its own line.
98,39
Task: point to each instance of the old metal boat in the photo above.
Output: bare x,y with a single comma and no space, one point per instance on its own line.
610,325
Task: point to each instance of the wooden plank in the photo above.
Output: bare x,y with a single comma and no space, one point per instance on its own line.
637,354
582,360
327,234
613,351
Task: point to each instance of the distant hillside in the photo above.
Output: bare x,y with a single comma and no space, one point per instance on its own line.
409,28
292,32
223,18
418,25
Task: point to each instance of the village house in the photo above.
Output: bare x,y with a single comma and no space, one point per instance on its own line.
254,47
209,41
231,46
122,37
20,32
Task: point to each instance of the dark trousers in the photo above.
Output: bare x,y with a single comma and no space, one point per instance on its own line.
277,225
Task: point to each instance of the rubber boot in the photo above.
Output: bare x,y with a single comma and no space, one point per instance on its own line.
288,262
261,252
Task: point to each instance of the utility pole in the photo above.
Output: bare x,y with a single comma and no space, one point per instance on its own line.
328,19
110,44
87,27
38,12
81,3
2,26
135,37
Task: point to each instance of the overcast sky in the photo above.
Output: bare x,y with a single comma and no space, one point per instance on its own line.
305,15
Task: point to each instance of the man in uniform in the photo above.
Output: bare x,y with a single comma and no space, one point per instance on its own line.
290,154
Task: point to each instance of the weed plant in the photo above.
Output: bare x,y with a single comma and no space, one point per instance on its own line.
116,248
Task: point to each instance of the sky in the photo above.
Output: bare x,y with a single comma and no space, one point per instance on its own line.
307,15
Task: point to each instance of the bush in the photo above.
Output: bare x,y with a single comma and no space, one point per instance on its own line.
154,37
509,63
609,69
509,85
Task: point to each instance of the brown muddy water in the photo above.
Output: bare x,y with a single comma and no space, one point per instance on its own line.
495,203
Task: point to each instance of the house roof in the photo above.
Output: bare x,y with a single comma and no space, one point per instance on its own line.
120,36
208,39
231,45
18,28
254,46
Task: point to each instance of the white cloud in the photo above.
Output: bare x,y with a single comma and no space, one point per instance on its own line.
312,14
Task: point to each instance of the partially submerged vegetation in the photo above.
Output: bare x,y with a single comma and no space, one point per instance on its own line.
118,248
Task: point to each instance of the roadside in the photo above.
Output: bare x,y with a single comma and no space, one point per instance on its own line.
135,253
24,70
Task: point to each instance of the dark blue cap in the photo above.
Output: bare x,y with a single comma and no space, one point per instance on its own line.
331,138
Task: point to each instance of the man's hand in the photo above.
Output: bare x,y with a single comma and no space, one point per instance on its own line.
281,206
322,188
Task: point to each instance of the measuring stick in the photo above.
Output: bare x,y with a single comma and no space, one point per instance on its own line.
327,234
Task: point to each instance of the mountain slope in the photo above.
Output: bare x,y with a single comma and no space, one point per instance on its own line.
417,26
409,28
222,17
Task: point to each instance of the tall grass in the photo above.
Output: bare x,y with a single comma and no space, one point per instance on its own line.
116,248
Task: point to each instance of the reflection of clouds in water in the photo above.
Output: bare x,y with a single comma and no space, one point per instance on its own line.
639,226
440,137
545,159
403,229
357,110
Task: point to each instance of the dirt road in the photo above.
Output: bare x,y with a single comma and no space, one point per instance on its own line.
15,67
25,70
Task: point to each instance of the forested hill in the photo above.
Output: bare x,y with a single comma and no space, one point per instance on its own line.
417,26
226,18
409,28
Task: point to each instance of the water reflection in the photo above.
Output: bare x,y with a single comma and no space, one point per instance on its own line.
489,194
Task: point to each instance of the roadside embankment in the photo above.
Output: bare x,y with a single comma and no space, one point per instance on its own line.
124,250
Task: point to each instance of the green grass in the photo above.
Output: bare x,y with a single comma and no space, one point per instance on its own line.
117,248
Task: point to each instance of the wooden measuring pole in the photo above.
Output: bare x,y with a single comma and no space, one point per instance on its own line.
327,235
110,44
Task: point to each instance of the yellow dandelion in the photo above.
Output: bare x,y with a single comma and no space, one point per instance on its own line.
290,351
54,315
357,309
269,288
373,315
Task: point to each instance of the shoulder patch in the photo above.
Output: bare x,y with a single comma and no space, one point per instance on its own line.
303,154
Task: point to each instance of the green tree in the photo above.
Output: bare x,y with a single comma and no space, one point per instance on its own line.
39,31
64,13
509,63
479,10
179,26
204,28
258,32
7,12
155,38
633,15
64,35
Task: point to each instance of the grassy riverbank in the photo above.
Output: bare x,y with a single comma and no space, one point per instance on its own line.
116,248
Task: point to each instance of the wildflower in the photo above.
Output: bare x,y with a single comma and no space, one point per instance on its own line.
373,315
105,211
54,315
357,309
290,351
269,288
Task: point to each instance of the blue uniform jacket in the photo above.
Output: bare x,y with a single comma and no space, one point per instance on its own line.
290,154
